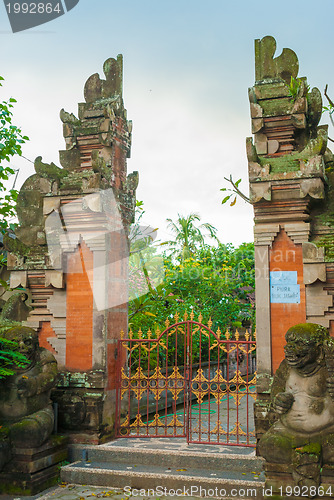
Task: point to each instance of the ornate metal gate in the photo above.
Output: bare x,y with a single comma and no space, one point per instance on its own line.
187,381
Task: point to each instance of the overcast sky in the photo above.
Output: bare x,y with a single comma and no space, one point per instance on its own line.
187,67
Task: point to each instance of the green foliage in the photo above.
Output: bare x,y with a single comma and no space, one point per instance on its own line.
232,193
217,282
9,356
328,108
297,88
11,140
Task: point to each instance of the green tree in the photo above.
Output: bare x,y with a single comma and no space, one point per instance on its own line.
188,237
11,140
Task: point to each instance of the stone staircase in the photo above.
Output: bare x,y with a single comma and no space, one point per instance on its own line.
197,473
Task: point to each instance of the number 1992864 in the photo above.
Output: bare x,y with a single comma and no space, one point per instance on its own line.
33,8
306,491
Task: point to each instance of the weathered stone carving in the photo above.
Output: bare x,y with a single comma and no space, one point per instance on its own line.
26,414
302,397
15,308
283,66
288,144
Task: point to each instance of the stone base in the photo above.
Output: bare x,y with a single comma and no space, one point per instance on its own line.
89,437
279,481
32,470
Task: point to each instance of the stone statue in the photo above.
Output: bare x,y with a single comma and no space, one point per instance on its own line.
26,415
302,398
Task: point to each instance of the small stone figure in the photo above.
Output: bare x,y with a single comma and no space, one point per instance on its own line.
303,400
26,415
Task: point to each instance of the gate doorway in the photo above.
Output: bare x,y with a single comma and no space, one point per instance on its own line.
189,382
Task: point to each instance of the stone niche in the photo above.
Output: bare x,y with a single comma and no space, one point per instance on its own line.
291,188
71,254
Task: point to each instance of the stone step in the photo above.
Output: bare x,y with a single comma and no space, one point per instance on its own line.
222,483
176,459
227,474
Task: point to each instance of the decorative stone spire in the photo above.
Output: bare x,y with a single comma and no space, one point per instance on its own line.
288,143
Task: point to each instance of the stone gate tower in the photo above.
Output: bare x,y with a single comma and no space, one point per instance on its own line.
290,176
71,254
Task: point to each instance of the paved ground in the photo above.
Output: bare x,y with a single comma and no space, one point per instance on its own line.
74,492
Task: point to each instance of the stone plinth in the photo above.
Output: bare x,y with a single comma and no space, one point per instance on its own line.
32,470
279,480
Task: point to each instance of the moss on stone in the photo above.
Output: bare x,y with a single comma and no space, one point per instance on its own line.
15,246
6,325
278,106
309,331
311,449
20,487
287,163
323,218
283,442
327,242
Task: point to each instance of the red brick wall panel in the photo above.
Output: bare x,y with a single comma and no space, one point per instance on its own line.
285,256
45,332
79,311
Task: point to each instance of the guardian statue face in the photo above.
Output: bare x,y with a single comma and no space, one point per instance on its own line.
300,350
303,344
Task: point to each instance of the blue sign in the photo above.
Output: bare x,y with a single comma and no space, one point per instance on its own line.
283,277
284,288
285,294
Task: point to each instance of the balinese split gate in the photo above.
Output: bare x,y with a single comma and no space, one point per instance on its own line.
188,382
